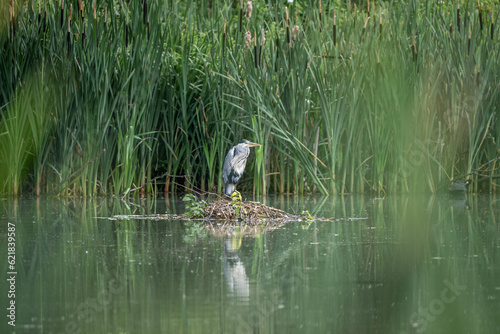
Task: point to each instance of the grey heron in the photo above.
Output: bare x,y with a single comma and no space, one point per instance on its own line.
234,165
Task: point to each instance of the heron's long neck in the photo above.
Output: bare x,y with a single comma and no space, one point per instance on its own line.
242,159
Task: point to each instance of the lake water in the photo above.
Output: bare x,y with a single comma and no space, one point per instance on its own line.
402,264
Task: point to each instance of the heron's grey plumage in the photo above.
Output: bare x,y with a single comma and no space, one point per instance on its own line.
234,165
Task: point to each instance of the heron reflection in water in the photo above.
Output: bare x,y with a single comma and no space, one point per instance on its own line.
234,165
234,270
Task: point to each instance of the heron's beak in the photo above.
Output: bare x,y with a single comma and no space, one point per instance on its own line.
254,144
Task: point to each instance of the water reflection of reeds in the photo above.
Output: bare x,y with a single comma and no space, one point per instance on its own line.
410,264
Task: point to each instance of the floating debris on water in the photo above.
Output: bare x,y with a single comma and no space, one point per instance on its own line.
225,217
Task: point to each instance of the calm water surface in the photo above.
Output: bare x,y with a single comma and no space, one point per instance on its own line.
391,265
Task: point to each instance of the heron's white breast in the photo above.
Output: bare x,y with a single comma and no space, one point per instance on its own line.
240,166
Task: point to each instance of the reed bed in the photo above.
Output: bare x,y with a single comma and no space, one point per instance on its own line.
99,97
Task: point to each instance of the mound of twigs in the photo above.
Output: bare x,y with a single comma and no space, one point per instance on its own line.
222,216
229,210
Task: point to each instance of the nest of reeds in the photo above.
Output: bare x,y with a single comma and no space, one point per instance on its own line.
222,217
248,211
225,218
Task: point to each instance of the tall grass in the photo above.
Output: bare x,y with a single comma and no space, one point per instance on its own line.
346,98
